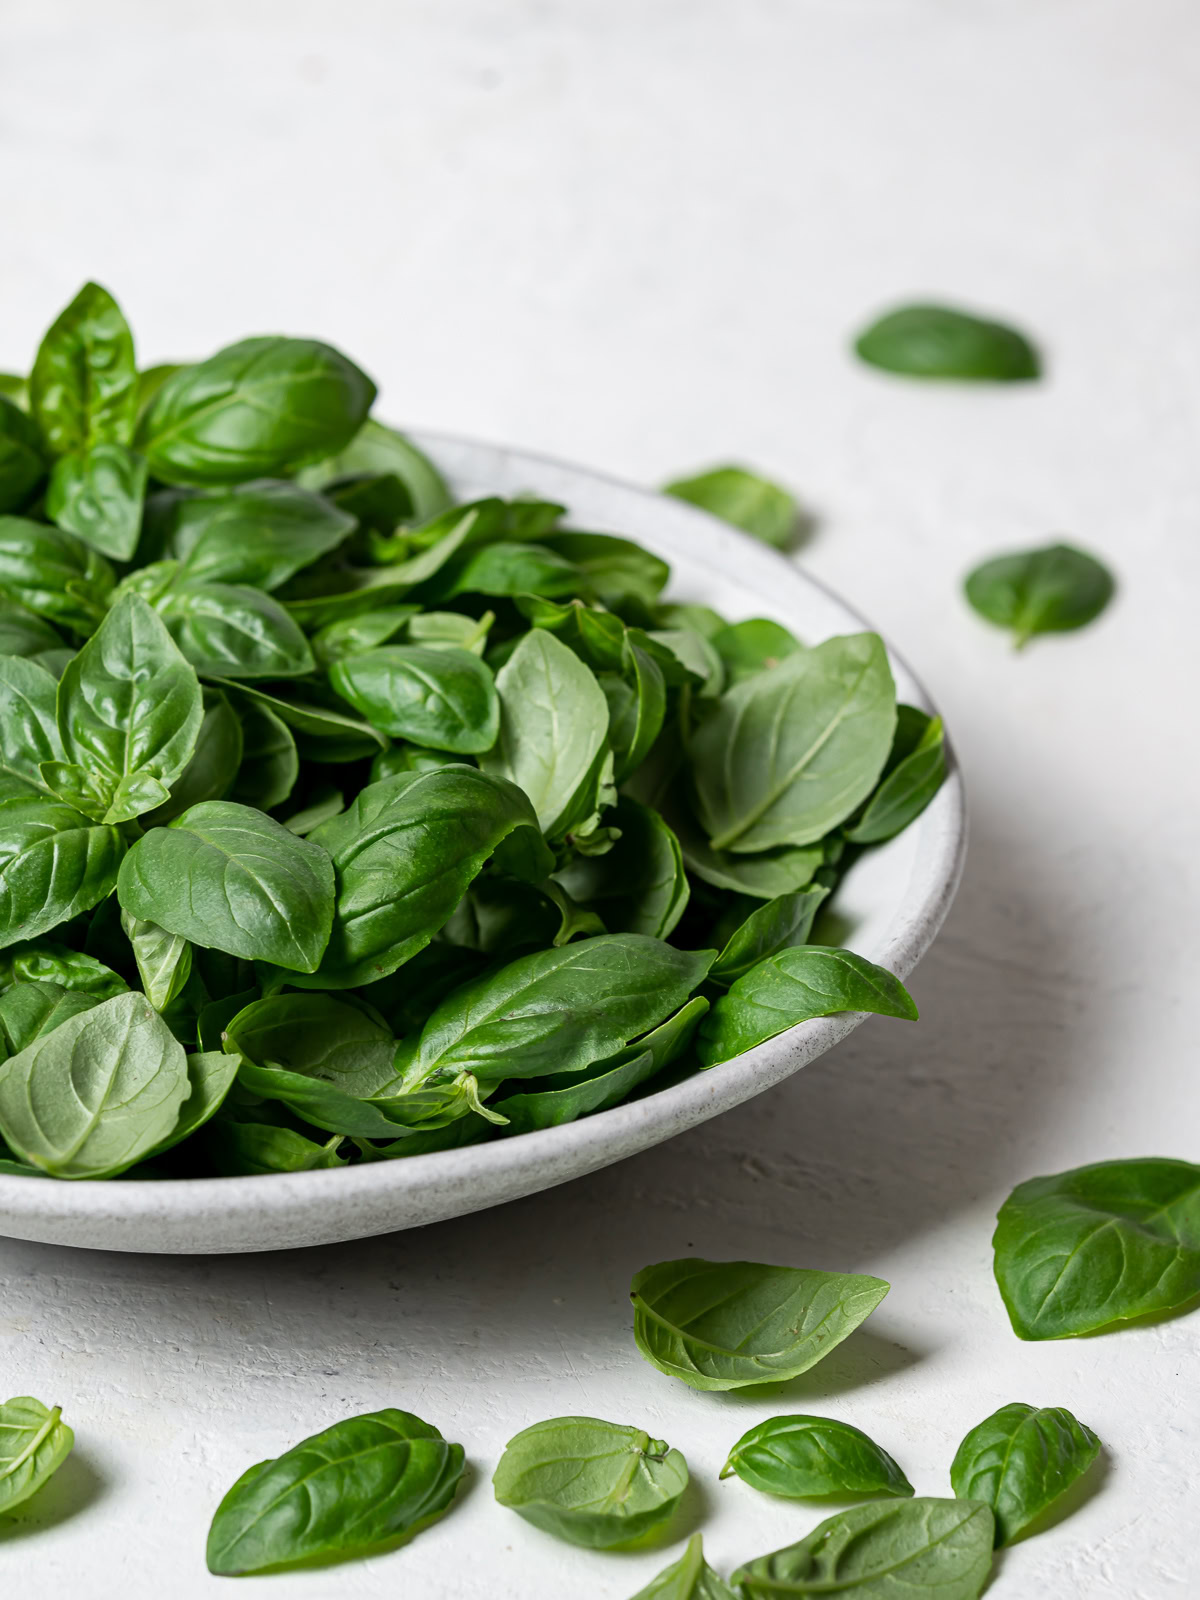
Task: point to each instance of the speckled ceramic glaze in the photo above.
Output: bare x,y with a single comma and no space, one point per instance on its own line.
894,901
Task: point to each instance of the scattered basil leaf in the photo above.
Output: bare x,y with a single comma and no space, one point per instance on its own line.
725,1324
34,1443
28,701
1085,1249
746,500
807,1458
689,1578
1051,590
592,1483
30,1009
1019,1461
214,764
270,762
929,341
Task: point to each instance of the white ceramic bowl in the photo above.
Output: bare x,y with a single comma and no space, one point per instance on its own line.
895,898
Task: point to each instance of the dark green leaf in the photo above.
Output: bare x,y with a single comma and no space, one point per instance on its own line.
270,763
230,632
1084,1249
28,698
257,409
503,568
227,877
47,961
337,1039
894,1551
245,1148
793,986
30,1009
1052,590
724,1324
639,886
689,1578
377,449
618,572
54,863
905,791
366,632
210,1078
22,456
22,633
83,386
347,1490
97,494
324,734
748,501
54,574
596,1484
806,1458
924,341
1019,1461
259,533
34,1443
437,696
214,764
779,925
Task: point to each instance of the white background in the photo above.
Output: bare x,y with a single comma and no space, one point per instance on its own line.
639,233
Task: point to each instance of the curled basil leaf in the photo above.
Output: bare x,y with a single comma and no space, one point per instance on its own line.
806,1458
1054,590
929,341
34,1443
1019,1461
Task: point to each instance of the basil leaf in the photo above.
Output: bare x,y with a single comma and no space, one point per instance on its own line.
129,709
164,960
925,341
325,734
54,574
639,886
257,533
343,1042
96,1094
257,409
778,925
34,1443
28,698
504,568
1053,590
697,655
592,1483
324,804
637,705
251,1149
378,449
618,572
910,780
270,764
436,696
214,763
553,722
748,501
788,754
54,864
793,986
24,634
46,961
746,648
83,386
564,1097
98,494
805,1458
689,1578
1084,1249
22,456
344,1491
764,876
354,634
558,1010
210,1077
885,1552
227,877
404,853
30,1009
724,1324
230,632
1019,1461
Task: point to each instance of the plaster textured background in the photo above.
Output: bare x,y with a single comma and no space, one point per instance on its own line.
637,233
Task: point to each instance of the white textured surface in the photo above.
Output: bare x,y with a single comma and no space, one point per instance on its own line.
637,232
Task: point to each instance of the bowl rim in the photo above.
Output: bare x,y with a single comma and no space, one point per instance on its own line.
553,1155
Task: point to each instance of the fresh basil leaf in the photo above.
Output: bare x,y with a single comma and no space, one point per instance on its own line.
367,632
746,648
1019,1461
553,722
557,1010
98,494
34,1443
245,1148
778,925
257,409
54,574
743,498
618,572
322,733
592,1483
22,633
503,916
906,790
214,763
230,632
689,1578
258,533
164,960
347,1490
22,456
211,1074
377,449
432,695
504,568
1052,590
697,654
151,379
404,853
787,755
1085,1249
28,697
47,961
637,705
764,876
793,986
324,803
564,1097
701,619
96,1094
225,876
54,864
30,1009
83,386
925,341
639,886
451,627
270,762
724,1324
340,1040
941,1548
129,709
806,1458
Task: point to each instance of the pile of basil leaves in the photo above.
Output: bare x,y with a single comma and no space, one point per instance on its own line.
339,822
